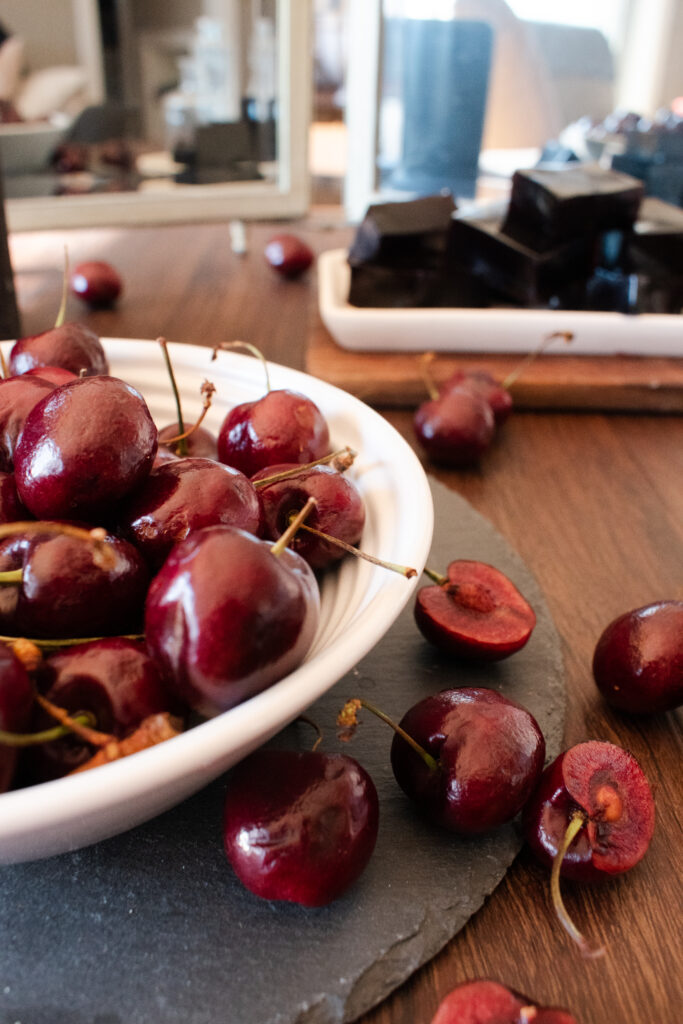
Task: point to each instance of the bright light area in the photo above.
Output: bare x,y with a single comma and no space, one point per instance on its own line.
607,15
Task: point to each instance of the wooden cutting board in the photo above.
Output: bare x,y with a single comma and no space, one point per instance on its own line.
615,383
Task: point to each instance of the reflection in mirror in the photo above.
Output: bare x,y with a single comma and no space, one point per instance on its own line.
152,111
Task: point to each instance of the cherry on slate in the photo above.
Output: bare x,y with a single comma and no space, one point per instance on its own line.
487,1002
638,660
474,612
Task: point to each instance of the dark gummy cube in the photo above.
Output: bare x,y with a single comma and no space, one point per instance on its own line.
412,233
658,235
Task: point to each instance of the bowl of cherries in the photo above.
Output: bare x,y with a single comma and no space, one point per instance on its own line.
175,551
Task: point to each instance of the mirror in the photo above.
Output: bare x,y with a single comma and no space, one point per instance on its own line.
117,112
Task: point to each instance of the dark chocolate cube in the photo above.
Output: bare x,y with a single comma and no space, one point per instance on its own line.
623,292
412,234
395,287
568,202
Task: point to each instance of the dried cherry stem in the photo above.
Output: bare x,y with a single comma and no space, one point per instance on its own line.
94,736
53,643
576,823
316,727
402,570
152,730
207,390
347,720
295,524
425,361
61,312
33,739
182,447
248,347
341,460
567,336
103,554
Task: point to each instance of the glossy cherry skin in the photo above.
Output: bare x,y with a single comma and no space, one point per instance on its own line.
55,375
115,679
16,709
638,660
283,426
201,444
18,396
64,593
83,448
72,346
300,826
607,784
288,255
490,754
225,618
96,282
456,428
487,1002
485,385
185,495
339,511
11,508
477,614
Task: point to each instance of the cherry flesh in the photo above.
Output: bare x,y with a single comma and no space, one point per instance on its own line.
16,709
339,510
115,679
64,593
606,785
96,282
283,426
488,754
18,396
488,1002
456,428
84,447
288,255
474,612
185,495
300,826
226,617
638,660
72,346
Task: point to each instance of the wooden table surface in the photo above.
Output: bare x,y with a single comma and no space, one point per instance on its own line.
592,502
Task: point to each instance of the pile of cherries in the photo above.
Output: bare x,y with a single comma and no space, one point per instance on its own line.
173,573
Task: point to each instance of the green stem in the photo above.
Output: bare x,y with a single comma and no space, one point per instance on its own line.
402,570
437,577
50,644
32,739
256,352
576,823
182,443
296,523
103,554
12,576
532,356
430,761
61,312
343,458
431,387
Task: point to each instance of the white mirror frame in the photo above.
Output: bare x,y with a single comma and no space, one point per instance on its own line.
288,196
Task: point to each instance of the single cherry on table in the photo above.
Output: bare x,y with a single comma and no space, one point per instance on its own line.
288,255
96,282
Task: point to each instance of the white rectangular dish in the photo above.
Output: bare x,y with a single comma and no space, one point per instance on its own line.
485,330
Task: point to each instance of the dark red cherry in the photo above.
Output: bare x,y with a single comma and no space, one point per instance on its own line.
288,255
474,612
300,826
456,428
184,495
283,426
96,282
488,1002
487,755
84,447
201,444
115,679
11,508
485,385
16,709
226,617
55,375
18,396
72,346
339,510
64,593
638,660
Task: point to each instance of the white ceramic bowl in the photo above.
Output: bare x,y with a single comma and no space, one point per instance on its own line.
359,603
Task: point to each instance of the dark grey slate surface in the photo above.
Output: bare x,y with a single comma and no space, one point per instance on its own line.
151,927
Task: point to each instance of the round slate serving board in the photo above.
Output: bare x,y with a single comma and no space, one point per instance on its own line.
152,926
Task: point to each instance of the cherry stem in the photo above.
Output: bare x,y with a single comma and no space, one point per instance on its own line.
256,352
316,727
182,447
11,576
94,736
207,390
33,739
51,643
61,312
3,364
347,720
425,362
567,336
280,544
402,570
102,551
437,577
576,823
341,459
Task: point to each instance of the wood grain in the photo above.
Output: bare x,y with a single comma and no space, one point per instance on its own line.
592,501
